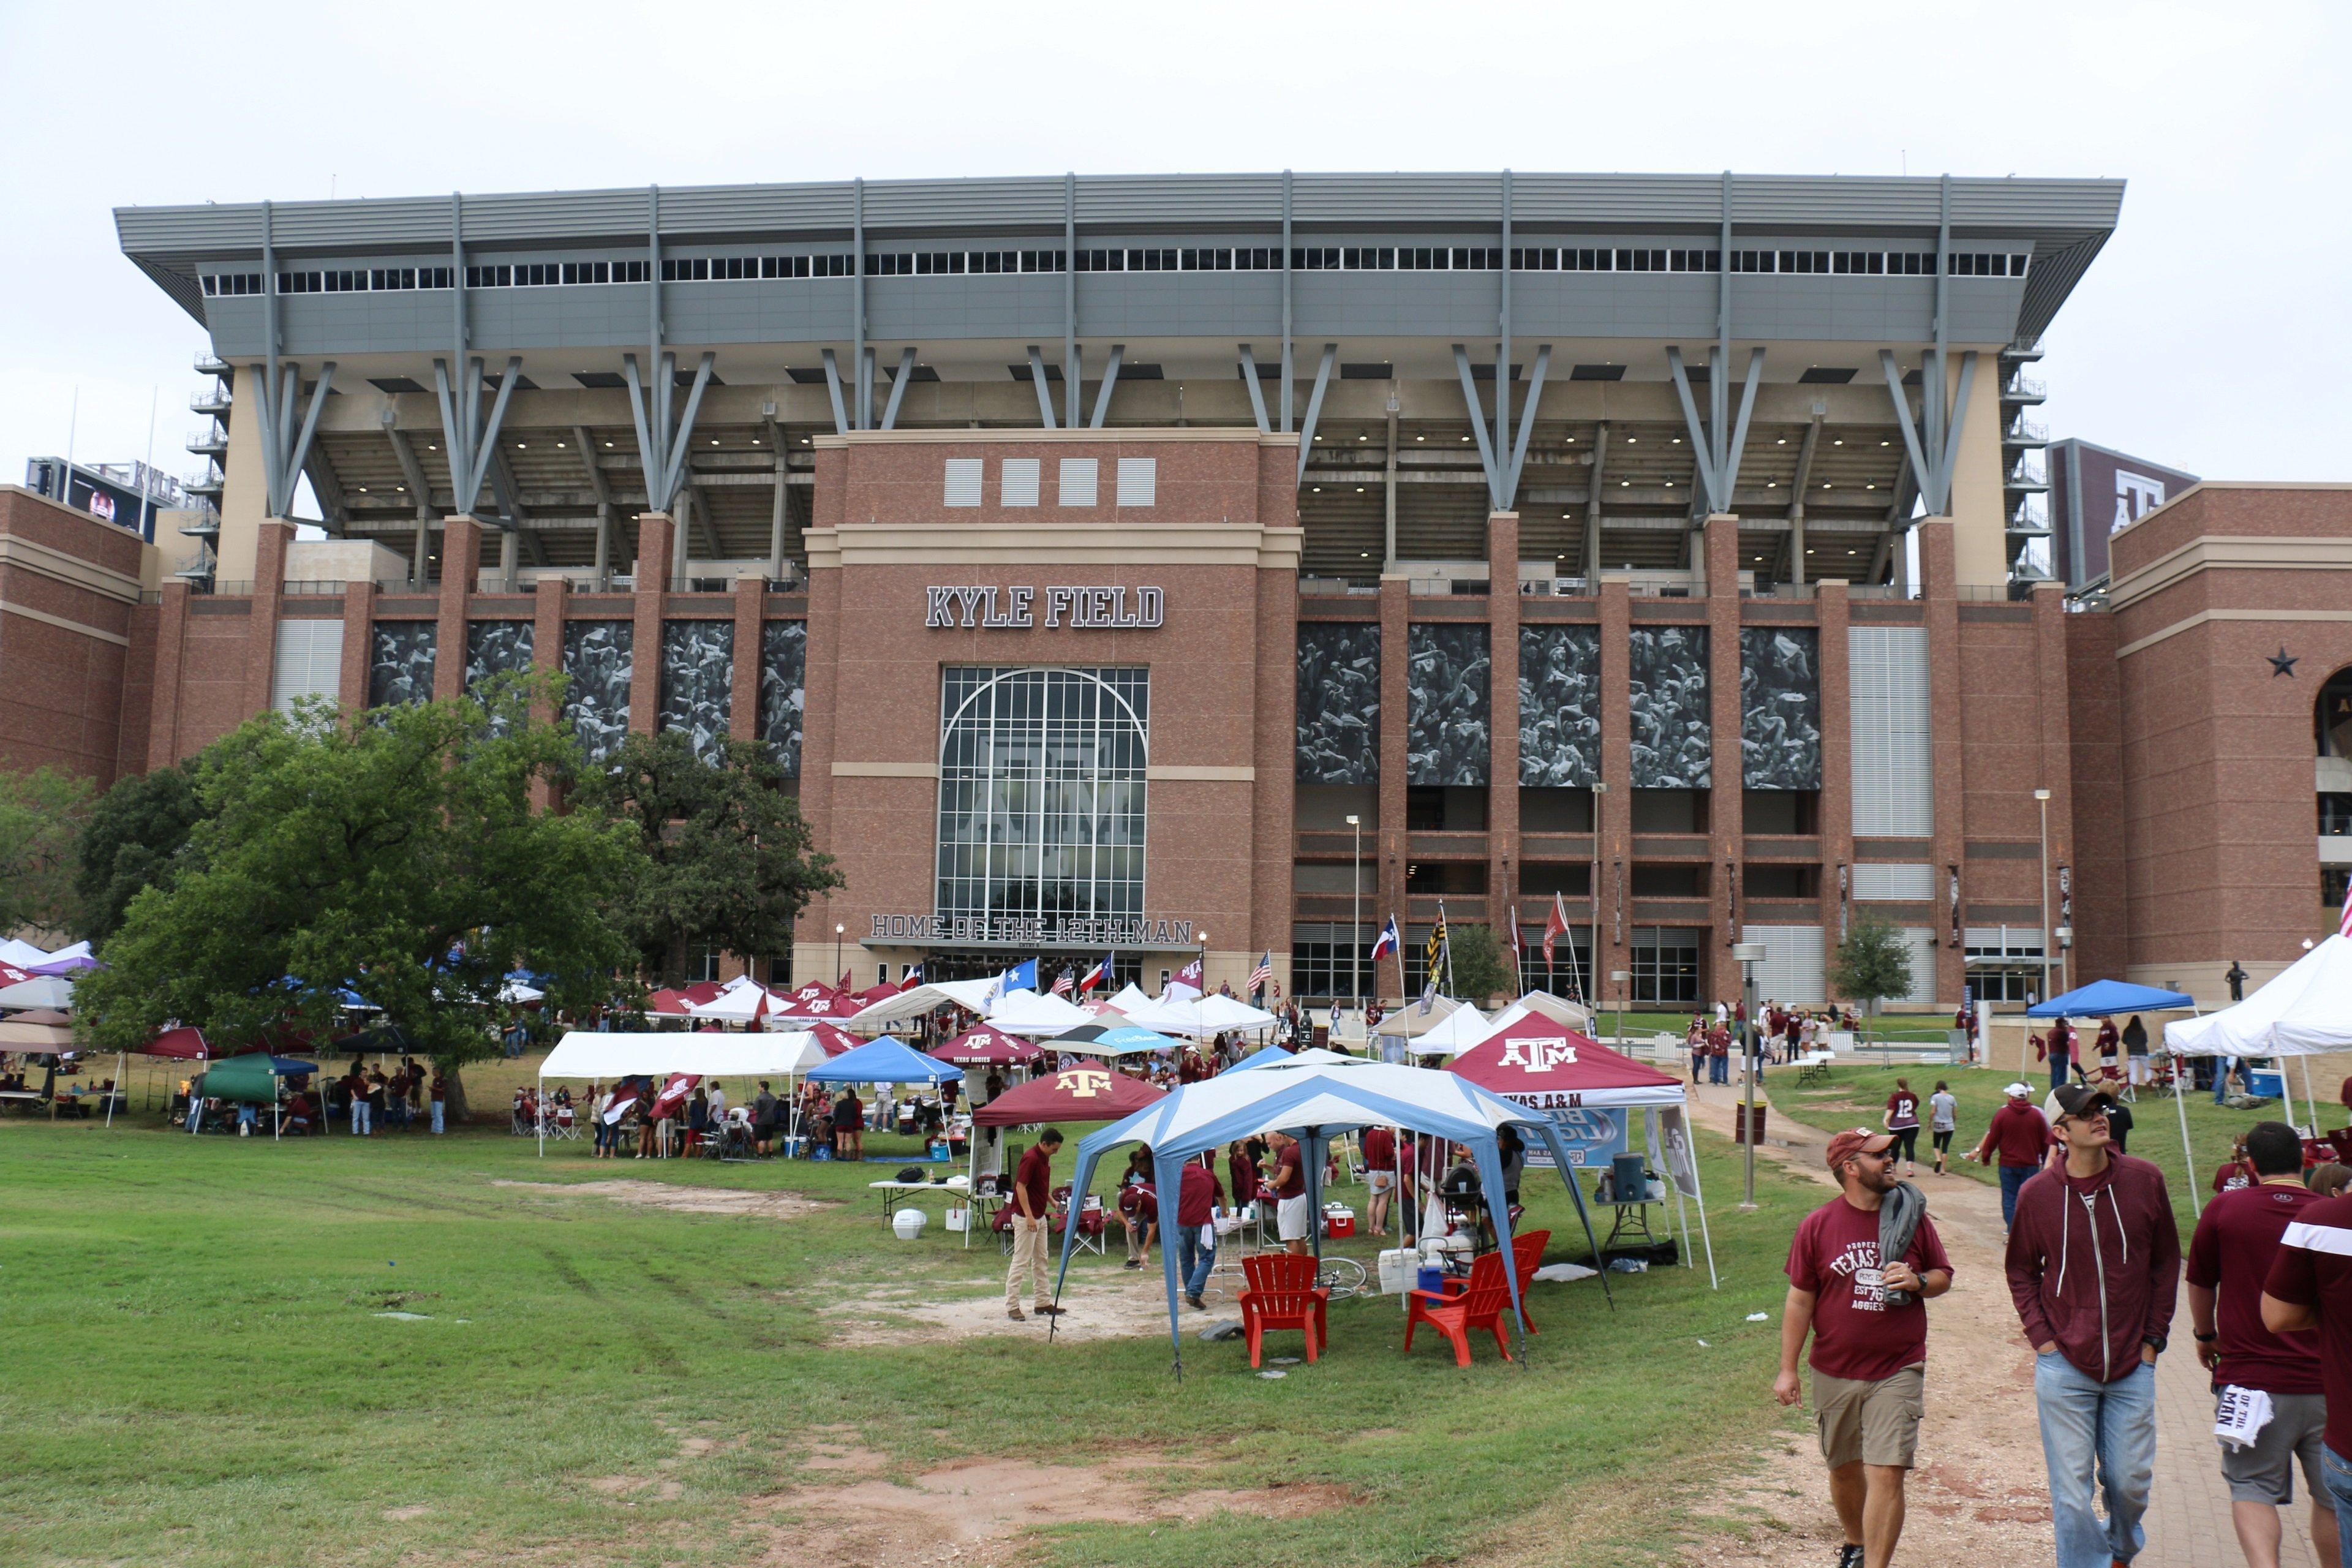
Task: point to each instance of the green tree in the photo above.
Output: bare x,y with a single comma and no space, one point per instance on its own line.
402,857
1872,964
41,817
137,837
731,862
1482,969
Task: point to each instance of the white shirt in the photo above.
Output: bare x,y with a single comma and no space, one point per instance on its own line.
718,1103
1943,1108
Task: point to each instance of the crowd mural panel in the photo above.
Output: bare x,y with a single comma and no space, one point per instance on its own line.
1338,703
1447,704
1779,708
495,648
698,682
1559,707
598,658
1667,673
400,663
783,694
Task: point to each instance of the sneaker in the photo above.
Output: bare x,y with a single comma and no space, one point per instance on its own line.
1850,1555
1017,1314
1134,1263
1198,1305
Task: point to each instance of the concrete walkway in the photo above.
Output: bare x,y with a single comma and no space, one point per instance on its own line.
2188,1522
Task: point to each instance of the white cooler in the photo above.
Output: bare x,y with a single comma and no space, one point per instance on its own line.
909,1223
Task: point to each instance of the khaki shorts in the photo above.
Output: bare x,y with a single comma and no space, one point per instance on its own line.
2264,1471
1872,1423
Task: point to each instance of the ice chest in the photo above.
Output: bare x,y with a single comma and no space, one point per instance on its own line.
1398,1270
1339,1219
2266,1083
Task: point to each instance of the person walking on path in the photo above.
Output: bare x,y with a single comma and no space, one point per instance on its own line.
2310,1287
1902,1119
1868,1320
2135,1066
2094,1266
1199,1194
2022,1137
2230,1259
1032,1188
1943,1121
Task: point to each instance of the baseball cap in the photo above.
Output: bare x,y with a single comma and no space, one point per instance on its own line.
2081,1100
1861,1141
2020,1091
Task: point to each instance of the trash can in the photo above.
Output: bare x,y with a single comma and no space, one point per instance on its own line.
1741,1130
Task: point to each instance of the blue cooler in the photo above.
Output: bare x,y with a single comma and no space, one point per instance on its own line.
1432,1279
2266,1083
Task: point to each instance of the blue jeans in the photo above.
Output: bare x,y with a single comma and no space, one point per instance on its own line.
2089,1426
2221,1079
1193,1261
2336,1473
1718,1070
2058,1074
2012,1177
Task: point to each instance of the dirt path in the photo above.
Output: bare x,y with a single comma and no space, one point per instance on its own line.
1981,1494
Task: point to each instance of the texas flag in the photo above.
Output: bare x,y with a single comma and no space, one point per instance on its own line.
1387,943
1098,975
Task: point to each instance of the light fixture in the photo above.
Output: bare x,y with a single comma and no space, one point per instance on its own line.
430,448
1781,442
1420,437
1363,438
1771,484
1870,486
1318,490
608,443
1887,443
1837,441
1829,486
1359,489
1624,484
1678,440
1633,440
714,440
522,445
1670,484
402,489
1367,555
363,489
559,445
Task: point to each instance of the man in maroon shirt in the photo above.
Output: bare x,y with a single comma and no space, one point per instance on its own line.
1198,1196
2022,1136
2229,1258
2310,1287
1033,1189
1869,1358
1293,1220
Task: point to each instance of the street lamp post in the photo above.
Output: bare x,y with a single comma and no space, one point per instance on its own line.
838,930
2042,799
1749,954
1355,916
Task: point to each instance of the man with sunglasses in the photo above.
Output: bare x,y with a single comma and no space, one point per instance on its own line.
2094,1266
1870,1348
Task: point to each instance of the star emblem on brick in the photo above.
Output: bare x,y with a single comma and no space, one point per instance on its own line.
2281,662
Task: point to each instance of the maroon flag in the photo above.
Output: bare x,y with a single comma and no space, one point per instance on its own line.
1190,974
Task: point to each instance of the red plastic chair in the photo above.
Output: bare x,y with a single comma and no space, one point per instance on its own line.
1283,1272
1527,1251
1480,1305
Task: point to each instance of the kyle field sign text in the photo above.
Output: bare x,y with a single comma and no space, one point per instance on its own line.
1109,609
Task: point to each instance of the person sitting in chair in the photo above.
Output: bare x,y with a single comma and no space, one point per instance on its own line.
1138,1207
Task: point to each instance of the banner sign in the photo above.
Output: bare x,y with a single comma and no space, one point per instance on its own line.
1035,931
1593,1137
998,609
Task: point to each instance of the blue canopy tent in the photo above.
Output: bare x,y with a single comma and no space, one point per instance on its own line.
884,1060
2103,998
1312,1101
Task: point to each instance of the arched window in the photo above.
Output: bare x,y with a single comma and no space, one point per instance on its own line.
1042,792
2332,715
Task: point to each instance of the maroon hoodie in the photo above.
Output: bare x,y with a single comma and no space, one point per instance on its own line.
2094,1264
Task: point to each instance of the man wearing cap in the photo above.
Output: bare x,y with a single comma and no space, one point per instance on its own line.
2230,1257
2022,1136
1869,1326
2094,1266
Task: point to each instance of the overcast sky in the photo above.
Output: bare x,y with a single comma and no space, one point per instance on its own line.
2207,335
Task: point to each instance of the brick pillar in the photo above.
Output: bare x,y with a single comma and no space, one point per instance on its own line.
1939,591
1836,800
461,553
821,687
359,644
1272,790
1396,617
164,709
743,696
1503,719
549,598
261,628
1616,823
1726,816
655,531
2057,739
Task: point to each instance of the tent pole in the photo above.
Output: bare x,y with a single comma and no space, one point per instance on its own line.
2187,1161
2310,1102
539,1107
122,1070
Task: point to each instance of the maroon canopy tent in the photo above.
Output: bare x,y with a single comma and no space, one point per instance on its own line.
1077,1094
984,1047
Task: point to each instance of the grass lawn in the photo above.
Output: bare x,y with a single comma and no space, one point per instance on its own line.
201,1375
1856,1097
1899,1027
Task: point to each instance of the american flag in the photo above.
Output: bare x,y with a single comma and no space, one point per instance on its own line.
1262,976
1062,983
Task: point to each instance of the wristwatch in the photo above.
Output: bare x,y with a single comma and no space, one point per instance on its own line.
2206,1339
2154,1341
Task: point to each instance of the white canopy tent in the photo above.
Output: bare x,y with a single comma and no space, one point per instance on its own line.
1034,1016
1457,1032
920,1000
41,991
1413,1019
586,1053
23,954
1201,1017
2304,1011
739,1004
1131,996
1558,1009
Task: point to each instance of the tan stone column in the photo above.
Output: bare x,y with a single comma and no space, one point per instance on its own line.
655,532
461,553
359,644
262,626
2057,772
1616,823
1502,721
1725,813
